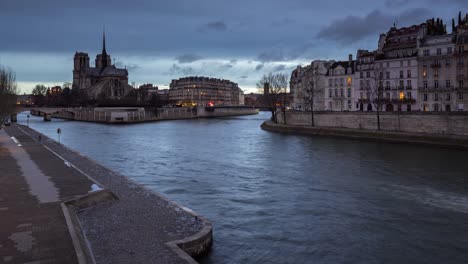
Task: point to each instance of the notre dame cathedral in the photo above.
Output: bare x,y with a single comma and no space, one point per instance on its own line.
104,81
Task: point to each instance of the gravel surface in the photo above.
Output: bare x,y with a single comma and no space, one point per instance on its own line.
133,229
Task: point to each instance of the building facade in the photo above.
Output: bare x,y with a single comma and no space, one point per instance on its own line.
104,81
416,68
339,92
364,80
309,82
438,78
461,59
396,68
204,91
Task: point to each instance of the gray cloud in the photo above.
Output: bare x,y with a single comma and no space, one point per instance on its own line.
130,66
216,26
269,56
283,22
288,53
176,70
396,3
280,67
226,66
354,28
188,58
156,36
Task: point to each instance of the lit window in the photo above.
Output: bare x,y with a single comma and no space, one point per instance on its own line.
402,95
349,81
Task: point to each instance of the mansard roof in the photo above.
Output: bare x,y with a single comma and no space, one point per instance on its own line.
344,64
396,32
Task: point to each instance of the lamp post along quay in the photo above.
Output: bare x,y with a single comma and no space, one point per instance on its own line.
59,131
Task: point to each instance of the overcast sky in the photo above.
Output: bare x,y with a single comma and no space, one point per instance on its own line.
162,40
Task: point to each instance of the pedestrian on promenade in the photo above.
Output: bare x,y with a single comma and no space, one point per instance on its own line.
40,138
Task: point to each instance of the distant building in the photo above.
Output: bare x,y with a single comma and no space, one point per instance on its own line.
253,99
396,67
364,80
24,99
103,81
436,62
461,58
339,95
300,83
146,91
416,68
192,91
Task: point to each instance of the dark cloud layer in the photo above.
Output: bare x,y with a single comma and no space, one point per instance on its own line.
217,26
177,37
356,28
188,58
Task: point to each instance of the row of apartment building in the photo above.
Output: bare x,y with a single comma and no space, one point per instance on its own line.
417,68
204,91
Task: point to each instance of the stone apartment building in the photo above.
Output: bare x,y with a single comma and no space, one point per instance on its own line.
461,59
204,91
416,68
436,66
300,84
339,94
396,67
364,80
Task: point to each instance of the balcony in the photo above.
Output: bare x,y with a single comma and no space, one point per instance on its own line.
409,87
435,65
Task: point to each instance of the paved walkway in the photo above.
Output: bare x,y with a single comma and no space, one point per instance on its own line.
133,229
33,183
136,227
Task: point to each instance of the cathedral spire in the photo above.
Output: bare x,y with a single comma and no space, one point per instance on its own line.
104,42
104,57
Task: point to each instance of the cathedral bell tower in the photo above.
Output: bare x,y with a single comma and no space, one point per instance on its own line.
80,66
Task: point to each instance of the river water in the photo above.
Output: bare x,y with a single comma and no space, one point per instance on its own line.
277,198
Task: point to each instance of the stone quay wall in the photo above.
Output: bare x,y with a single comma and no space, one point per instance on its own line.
442,123
136,115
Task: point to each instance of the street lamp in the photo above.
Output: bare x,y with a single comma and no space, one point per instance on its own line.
59,131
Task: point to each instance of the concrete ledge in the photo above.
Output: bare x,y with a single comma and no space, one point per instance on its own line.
450,141
193,246
82,247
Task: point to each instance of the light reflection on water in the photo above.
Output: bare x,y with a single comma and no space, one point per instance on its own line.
277,198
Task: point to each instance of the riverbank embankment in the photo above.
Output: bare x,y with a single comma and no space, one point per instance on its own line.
128,115
131,224
451,141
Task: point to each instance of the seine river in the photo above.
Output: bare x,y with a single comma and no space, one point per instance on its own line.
277,198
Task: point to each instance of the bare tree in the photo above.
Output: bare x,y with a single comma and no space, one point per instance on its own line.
8,91
376,89
311,91
274,88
